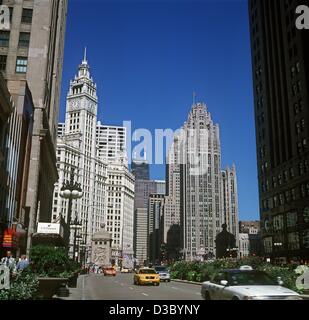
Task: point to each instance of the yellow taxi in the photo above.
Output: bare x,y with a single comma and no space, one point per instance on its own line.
147,276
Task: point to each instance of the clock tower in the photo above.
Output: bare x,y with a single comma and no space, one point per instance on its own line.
82,101
79,149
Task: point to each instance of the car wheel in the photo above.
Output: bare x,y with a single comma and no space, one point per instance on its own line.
235,298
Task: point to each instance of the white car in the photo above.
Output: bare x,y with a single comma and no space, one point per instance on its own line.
163,273
246,284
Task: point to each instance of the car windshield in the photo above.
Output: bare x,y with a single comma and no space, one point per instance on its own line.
147,271
253,278
160,269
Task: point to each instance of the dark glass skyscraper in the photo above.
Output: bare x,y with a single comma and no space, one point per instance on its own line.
281,85
140,170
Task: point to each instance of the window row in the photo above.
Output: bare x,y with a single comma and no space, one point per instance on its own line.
24,39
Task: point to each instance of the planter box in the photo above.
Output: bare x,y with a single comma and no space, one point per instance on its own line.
72,283
49,286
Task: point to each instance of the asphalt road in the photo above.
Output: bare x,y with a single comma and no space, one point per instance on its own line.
121,287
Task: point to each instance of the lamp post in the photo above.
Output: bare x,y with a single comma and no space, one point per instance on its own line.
70,190
76,225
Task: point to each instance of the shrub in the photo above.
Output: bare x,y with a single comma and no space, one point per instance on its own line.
205,271
191,276
23,287
202,276
175,275
287,275
48,261
182,268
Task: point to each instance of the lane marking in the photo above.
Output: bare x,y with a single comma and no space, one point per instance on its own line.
175,288
145,294
131,288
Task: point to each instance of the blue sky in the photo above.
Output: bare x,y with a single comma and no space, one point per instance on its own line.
147,57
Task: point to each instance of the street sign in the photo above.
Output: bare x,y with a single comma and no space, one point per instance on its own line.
48,228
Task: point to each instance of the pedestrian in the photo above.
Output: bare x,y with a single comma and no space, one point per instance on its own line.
23,263
9,262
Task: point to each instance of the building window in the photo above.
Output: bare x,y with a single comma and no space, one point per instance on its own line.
27,16
306,215
24,39
306,239
291,219
21,64
268,245
293,241
278,222
3,62
4,38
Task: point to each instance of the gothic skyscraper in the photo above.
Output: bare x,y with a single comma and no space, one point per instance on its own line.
195,190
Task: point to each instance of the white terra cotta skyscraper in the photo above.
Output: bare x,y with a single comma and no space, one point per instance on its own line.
78,148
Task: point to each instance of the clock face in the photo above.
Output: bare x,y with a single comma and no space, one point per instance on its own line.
74,104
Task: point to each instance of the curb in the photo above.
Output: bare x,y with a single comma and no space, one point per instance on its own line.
188,282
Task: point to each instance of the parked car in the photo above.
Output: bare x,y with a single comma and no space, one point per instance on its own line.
246,284
146,276
110,271
163,273
126,270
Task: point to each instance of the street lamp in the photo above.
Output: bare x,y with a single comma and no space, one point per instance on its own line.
76,225
71,190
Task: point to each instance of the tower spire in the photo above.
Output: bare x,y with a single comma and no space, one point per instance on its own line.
85,55
193,97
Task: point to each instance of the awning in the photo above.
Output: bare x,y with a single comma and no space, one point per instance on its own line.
48,238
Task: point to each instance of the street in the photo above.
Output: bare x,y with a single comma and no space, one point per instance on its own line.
121,287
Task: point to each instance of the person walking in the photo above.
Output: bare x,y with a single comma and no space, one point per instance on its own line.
23,263
9,262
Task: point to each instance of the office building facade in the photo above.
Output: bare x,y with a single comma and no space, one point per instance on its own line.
31,56
280,81
230,200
